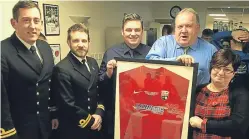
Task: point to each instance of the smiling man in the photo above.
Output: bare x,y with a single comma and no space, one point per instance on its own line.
132,32
185,46
74,82
27,64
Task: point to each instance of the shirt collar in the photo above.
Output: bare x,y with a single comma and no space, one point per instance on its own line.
139,48
80,59
28,46
193,47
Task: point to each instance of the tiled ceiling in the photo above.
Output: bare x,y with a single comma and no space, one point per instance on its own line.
237,14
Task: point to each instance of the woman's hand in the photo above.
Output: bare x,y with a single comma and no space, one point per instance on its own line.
195,121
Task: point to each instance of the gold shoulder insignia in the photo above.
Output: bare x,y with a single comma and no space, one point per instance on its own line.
101,106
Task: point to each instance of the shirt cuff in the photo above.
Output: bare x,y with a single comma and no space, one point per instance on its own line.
203,125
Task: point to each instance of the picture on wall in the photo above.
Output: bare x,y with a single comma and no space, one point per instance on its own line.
56,52
51,20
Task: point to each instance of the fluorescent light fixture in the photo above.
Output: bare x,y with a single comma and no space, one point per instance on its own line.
221,18
217,14
228,7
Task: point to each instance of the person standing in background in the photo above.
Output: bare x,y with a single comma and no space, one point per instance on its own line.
207,34
167,30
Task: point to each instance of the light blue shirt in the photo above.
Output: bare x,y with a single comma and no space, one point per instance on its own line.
166,48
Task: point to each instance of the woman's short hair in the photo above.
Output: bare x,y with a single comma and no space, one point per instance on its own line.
223,58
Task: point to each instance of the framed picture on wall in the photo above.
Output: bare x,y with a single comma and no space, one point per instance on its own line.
51,19
154,94
56,49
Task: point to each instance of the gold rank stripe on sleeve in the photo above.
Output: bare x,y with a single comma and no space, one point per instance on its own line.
5,134
101,106
84,122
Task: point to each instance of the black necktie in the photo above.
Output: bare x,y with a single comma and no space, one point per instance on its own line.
33,51
85,65
131,53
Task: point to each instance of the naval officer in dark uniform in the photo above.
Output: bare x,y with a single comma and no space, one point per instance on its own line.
26,70
75,82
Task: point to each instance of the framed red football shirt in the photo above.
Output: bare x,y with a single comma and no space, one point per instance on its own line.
152,100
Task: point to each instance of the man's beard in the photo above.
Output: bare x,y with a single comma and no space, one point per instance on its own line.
81,54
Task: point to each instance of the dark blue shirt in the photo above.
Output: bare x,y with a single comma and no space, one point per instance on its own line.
123,51
106,84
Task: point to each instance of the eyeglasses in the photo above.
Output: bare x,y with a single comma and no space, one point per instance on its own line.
224,69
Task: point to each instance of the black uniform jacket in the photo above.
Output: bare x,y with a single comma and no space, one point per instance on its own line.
8,130
28,87
77,96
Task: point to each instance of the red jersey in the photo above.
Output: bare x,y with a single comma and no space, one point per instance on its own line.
151,104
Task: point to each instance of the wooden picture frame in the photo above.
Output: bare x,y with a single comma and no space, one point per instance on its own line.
154,99
51,20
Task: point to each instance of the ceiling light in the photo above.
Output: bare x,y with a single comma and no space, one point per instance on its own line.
228,7
217,14
221,18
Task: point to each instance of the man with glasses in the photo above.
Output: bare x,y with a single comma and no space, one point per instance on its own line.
27,65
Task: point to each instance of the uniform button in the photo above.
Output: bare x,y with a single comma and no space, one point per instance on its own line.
88,99
48,89
97,86
88,91
48,98
89,107
37,112
37,84
37,103
49,80
37,93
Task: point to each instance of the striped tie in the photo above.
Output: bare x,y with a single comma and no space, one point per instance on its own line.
186,50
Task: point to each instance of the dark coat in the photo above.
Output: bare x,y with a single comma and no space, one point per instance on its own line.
28,87
8,130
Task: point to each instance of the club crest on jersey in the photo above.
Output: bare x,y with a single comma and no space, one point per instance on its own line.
164,95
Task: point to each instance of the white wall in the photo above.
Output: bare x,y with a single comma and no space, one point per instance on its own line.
161,9
105,14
